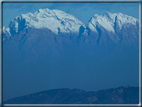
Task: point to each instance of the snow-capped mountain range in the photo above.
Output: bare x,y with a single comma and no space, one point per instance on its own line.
60,22
55,28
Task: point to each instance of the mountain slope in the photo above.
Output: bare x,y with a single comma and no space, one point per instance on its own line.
120,95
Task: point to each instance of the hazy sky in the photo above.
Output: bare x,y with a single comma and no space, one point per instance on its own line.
83,11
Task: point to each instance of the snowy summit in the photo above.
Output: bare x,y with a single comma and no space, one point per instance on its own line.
55,20
109,20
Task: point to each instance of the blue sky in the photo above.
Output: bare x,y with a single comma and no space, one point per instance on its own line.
83,11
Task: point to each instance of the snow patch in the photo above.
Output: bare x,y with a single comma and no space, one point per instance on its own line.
6,31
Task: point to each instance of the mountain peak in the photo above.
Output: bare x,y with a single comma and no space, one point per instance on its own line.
55,20
108,21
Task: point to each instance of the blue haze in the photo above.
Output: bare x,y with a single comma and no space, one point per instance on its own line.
75,69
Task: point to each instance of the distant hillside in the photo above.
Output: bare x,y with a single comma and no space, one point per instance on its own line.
120,95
